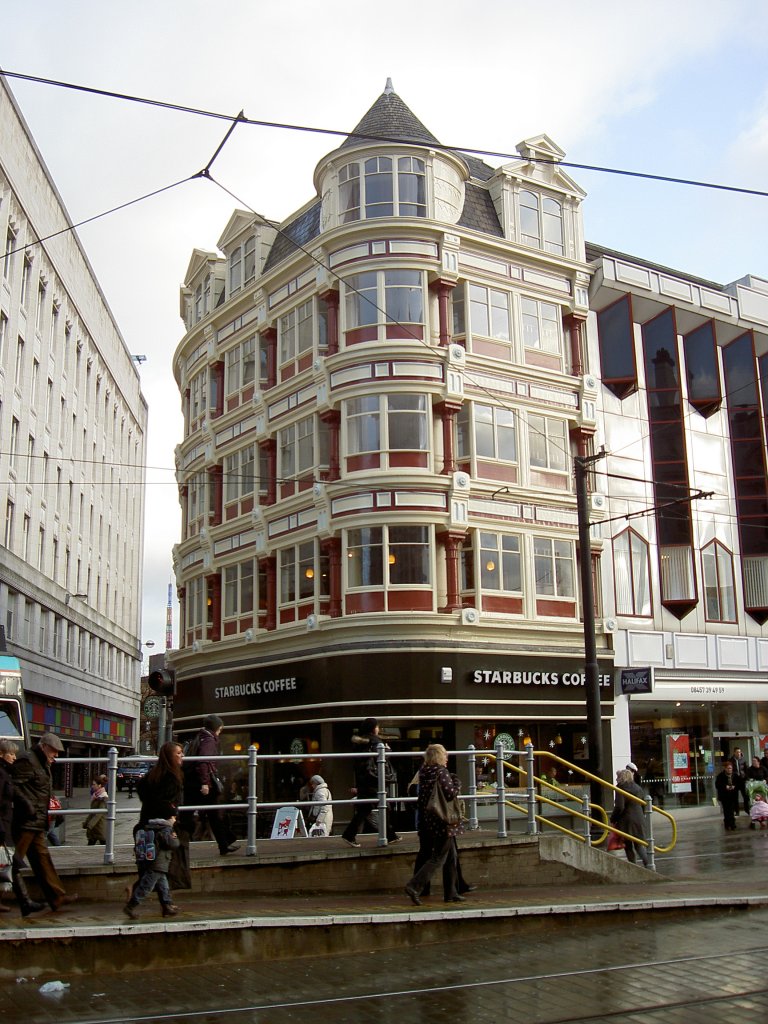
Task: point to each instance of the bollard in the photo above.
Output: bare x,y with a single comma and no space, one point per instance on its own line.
109,849
585,810
473,823
649,832
381,793
532,827
500,795
253,801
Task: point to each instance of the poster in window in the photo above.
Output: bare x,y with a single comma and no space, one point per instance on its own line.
679,762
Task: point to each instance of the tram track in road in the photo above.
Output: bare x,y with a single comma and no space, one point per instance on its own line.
720,985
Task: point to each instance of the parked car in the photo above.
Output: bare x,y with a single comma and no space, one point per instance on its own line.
129,773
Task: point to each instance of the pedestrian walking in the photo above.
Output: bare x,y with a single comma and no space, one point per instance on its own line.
161,789
202,785
153,849
95,824
366,786
437,846
728,795
740,778
31,775
629,816
12,806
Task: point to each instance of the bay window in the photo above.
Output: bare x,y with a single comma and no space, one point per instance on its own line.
388,430
719,589
239,589
548,450
382,186
631,574
384,304
553,567
302,452
487,441
399,555
542,334
303,581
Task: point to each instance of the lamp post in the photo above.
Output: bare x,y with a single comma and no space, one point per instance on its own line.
591,678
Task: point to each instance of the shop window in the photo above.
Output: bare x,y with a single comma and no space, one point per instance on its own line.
631,569
719,590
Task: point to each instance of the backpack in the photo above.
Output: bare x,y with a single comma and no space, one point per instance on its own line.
145,844
192,747
372,770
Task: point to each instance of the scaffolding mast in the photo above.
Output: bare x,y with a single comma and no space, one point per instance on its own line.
169,620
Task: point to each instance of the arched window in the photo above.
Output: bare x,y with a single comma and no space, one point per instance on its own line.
631,574
717,564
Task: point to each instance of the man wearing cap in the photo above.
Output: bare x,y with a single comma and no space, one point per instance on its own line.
32,779
203,786
367,784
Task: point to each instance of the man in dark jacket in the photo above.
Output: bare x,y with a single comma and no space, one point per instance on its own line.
202,786
32,781
367,784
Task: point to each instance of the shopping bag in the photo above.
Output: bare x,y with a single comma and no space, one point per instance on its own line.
615,842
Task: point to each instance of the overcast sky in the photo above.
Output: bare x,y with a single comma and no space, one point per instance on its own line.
670,87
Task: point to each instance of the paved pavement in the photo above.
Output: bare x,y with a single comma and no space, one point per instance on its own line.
555,953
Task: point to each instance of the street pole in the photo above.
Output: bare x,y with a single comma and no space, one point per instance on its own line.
591,675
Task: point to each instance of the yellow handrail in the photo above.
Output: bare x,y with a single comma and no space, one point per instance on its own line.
603,825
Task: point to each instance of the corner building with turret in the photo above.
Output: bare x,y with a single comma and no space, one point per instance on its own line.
383,397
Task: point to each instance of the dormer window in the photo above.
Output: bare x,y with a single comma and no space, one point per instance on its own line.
541,222
382,186
242,264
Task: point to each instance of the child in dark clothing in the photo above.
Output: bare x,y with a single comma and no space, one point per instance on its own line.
154,845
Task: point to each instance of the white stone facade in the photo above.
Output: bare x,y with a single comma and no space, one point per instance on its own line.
72,465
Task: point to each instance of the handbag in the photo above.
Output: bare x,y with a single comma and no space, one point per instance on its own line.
6,864
216,785
615,842
449,811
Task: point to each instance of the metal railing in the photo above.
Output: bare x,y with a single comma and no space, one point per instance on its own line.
534,801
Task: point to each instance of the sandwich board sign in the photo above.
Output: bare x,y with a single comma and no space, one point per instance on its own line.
287,821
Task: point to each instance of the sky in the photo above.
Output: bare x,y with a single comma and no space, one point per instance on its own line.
667,88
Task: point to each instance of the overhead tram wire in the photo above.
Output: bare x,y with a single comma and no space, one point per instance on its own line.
242,119
98,216
343,133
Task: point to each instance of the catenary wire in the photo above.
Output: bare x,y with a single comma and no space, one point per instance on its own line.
205,173
288,126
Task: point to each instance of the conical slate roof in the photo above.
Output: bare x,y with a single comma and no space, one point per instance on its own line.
390,118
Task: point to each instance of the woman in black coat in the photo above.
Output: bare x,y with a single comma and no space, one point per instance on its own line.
437,837
161,789
7,757
629,816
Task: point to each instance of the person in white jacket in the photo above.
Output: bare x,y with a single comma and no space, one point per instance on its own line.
320,816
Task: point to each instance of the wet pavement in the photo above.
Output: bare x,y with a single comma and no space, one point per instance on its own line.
593,952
